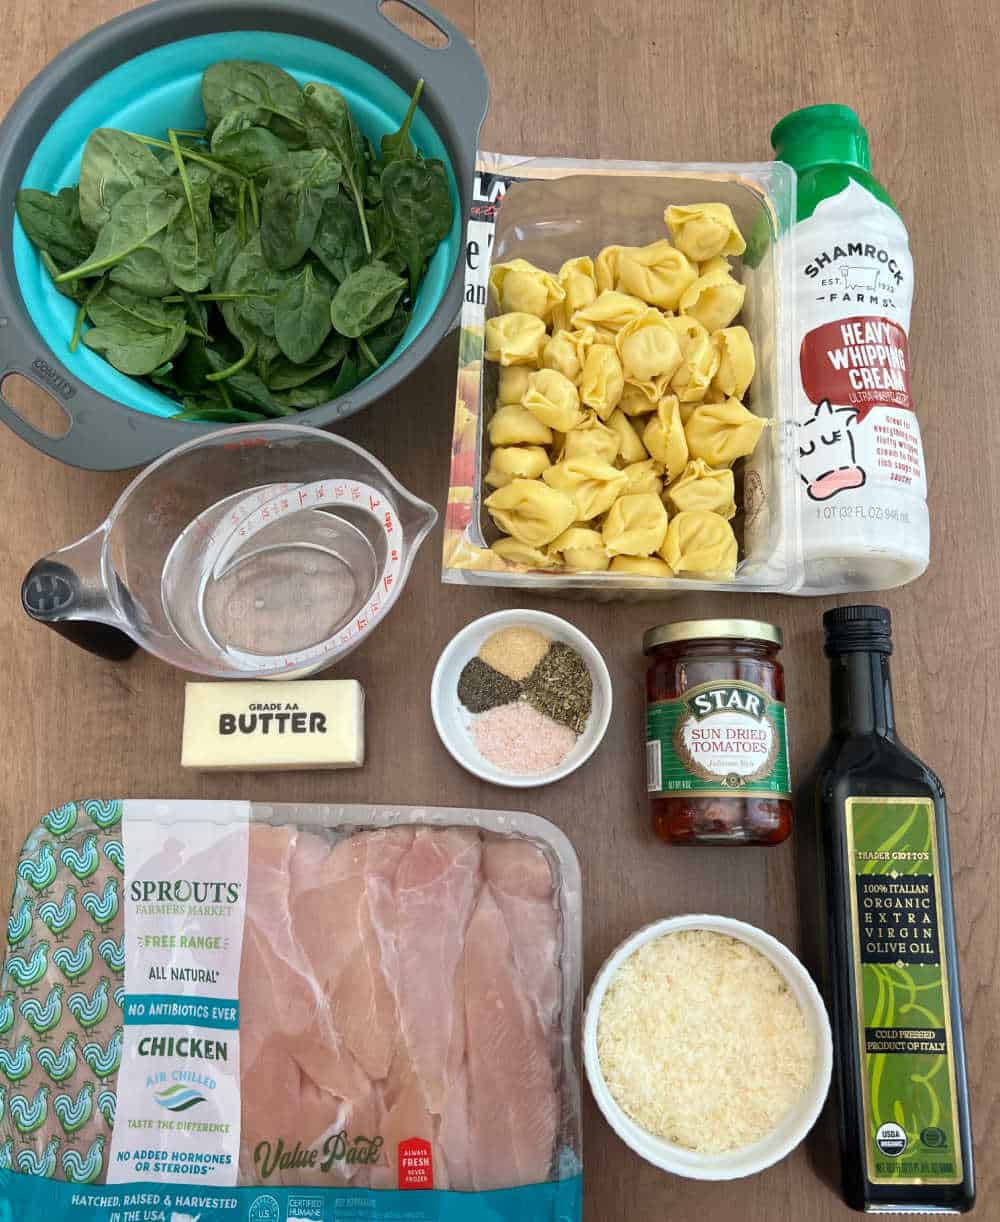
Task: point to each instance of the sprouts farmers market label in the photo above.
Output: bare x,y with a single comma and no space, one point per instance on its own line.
178,1109
719,738
901,978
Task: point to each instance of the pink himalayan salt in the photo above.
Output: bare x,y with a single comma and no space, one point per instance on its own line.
517,738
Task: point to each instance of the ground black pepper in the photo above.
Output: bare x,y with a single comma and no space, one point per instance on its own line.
560,686
481,688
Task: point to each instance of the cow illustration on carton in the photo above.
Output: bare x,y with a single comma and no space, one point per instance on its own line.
827,462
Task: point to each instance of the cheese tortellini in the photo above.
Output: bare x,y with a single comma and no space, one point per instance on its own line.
700,543
593,485
513,383
591,439
722,432
602,380
514,339
641,566
714,299
517,552
703,487
610,310
579,285
582,549
561,354
704,231
620,406
648,348
664,438
514,425
630,448
531,511
636,525
737,362
516,462
519,286
644,476
553,399
699,359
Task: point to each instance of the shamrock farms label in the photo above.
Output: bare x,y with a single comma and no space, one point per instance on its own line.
901,977
718,738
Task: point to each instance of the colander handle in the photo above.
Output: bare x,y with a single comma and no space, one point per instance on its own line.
454,72
97,439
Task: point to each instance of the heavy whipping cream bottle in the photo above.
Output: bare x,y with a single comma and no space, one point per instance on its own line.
860,458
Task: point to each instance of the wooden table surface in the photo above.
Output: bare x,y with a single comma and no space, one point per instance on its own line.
582,78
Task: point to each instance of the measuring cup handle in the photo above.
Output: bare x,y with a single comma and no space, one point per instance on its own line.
52,594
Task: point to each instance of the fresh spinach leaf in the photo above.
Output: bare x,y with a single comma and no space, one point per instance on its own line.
212,414
251,150
114,164
262,91
188,246
330,125
227,247
116,304
53,223
138,215
339,242
285,375
383,341
302,317
192,367
398,144
366,299
418,209
134,350
144,270
247,386
292,204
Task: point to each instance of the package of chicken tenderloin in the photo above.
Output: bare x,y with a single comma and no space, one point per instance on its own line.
291,1013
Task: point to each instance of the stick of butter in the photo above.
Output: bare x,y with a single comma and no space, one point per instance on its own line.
267,726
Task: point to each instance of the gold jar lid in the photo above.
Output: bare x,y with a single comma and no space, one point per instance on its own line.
711,629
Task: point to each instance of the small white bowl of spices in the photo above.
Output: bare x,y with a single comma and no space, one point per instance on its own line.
521,698
707,1047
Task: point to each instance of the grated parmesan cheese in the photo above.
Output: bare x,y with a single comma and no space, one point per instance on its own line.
701,1042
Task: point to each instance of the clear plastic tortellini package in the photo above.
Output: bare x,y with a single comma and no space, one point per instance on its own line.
619,410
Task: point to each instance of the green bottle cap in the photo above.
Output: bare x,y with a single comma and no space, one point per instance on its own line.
821,135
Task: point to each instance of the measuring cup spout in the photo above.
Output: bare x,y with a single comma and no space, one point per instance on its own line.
66,590
417,519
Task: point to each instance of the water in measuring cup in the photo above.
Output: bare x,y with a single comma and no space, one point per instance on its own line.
287,587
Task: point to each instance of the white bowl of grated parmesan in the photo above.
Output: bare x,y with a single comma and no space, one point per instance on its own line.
707,1047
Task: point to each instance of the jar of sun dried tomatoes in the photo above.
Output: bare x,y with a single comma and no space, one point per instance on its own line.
716,744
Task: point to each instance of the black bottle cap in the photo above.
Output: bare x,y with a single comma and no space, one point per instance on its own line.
858,629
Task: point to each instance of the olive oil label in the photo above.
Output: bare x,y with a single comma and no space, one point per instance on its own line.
722,738
903,1014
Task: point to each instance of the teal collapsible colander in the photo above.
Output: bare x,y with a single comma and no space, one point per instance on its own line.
142,72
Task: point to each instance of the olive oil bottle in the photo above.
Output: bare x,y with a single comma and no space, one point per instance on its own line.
906,1143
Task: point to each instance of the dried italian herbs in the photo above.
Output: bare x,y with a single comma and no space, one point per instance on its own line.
560,686
262,266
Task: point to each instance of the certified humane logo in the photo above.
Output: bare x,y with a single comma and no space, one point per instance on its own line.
265,1209
891,1139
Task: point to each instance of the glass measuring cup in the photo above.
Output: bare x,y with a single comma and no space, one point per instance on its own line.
263,551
